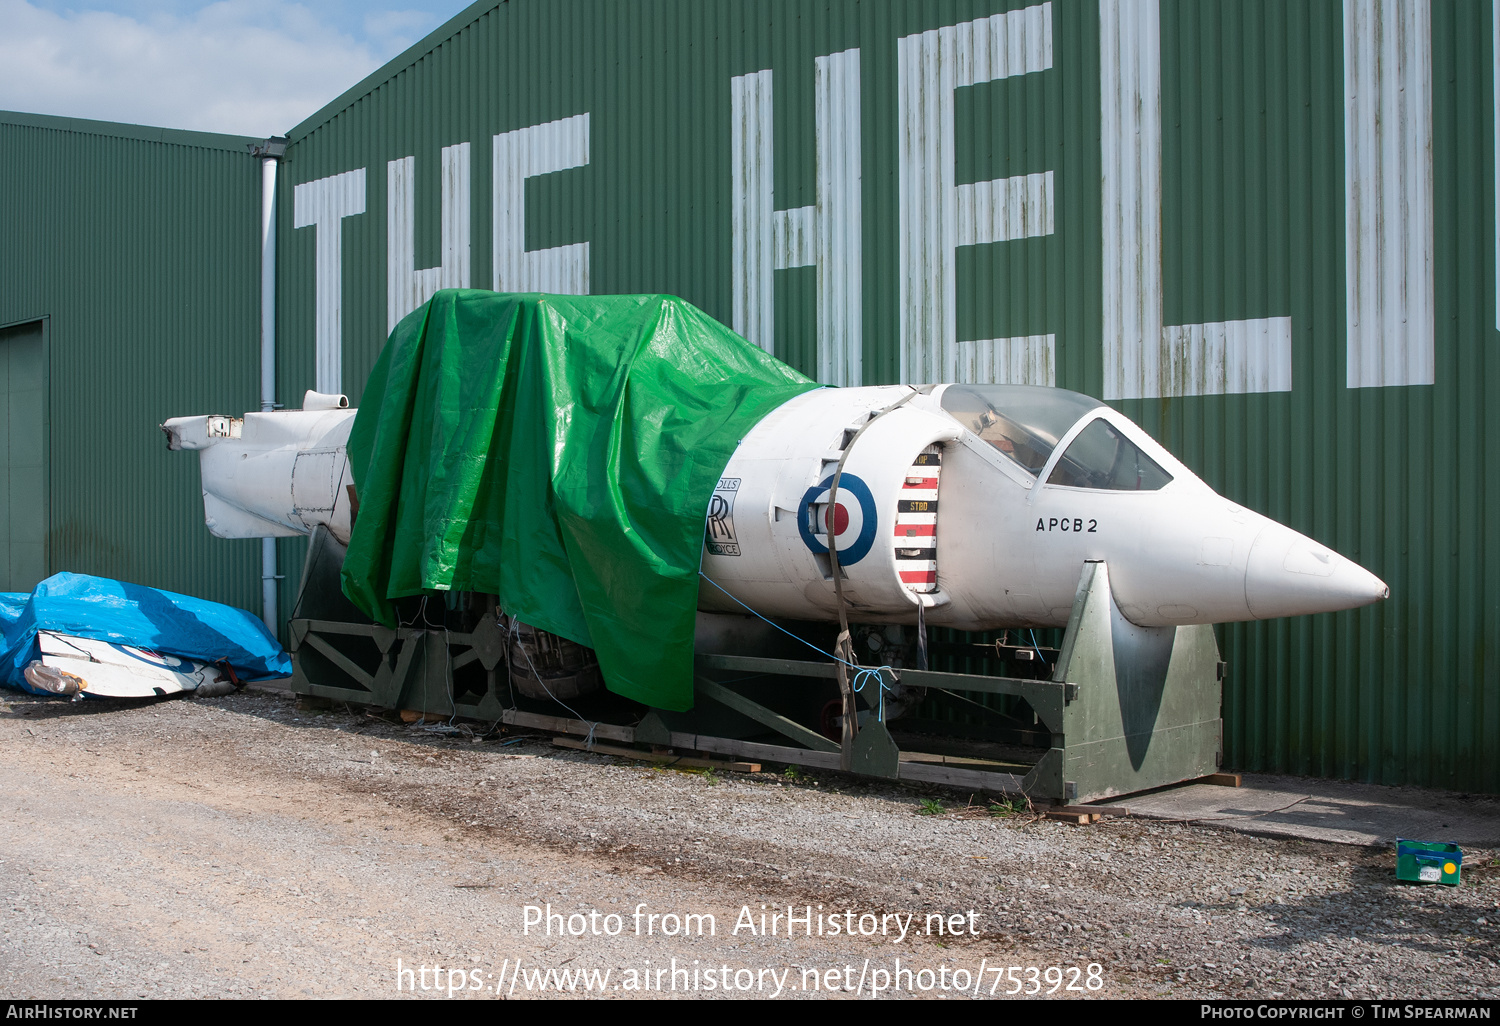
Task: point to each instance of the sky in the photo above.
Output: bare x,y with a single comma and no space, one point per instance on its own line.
244,67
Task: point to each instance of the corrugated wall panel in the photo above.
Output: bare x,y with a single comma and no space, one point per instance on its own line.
1161,202
1388,192
140,248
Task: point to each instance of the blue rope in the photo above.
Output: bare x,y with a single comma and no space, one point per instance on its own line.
863,677
1038,649
862,673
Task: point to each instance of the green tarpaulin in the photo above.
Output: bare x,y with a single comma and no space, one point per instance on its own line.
559,452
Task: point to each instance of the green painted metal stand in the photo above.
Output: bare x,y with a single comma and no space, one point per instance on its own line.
1128,708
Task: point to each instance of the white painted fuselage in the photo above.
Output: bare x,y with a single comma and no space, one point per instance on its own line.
979,502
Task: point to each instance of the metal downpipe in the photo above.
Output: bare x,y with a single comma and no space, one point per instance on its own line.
268,167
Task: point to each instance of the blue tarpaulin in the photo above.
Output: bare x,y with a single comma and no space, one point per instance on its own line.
11,604
132,614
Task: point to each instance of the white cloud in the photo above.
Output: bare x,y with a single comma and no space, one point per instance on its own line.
394,31
247,67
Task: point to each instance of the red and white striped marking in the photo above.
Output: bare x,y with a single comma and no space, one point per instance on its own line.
916,523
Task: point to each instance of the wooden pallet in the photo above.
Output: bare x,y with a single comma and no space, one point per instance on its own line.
1078,817
1220,779
1081,814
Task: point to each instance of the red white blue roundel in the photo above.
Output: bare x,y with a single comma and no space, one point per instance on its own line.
852,521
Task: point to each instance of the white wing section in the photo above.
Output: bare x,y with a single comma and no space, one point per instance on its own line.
273,474
120,671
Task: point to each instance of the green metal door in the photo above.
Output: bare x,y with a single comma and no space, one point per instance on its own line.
23,441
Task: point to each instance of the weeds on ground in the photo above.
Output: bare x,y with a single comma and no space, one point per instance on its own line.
708,773
1008,807
931,807
998,808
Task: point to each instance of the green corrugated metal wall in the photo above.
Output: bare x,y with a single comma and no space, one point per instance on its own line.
140,247
1402,479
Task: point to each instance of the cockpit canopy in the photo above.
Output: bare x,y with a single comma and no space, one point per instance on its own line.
1025,423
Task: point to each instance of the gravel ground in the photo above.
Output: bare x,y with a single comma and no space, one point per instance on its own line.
239,847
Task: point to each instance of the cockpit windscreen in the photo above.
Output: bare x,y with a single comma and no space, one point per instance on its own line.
1102,457
1022,421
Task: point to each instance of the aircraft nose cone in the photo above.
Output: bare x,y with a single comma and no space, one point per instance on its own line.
1289,574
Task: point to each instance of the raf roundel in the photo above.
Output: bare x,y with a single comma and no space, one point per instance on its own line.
853,520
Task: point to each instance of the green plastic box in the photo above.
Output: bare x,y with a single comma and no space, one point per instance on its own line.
1428,862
